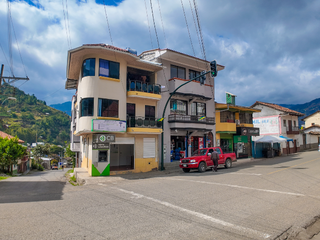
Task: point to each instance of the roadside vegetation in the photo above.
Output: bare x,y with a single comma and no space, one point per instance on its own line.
72,179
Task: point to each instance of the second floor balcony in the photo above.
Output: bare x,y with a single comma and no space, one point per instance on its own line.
137,88
292,130
143,125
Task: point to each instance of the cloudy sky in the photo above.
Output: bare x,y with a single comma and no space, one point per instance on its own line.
270,48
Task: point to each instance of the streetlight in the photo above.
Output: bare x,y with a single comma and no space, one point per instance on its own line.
8,98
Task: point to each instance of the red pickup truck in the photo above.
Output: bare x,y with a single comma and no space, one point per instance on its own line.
201,159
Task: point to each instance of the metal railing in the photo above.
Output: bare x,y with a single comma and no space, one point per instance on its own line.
190,118
292,129
146,122
136,85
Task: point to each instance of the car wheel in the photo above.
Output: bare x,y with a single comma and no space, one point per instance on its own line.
202,167
186,169
228,163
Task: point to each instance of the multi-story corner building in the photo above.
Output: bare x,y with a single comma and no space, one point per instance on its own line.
234,127
189,118
278,121
114,110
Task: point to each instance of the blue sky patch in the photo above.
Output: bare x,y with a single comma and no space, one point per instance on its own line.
109,2
33,3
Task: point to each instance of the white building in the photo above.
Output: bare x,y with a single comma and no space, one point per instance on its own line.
278,121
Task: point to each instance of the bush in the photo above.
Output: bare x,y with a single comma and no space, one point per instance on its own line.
34,165
40,168
73,178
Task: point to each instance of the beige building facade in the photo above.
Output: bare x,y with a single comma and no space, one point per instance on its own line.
114,127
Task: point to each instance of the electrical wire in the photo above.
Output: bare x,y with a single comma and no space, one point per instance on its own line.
185,18
105,11
68,22
65,23
195,25
200,31
4,54
164,35
10,37
145,4
18,45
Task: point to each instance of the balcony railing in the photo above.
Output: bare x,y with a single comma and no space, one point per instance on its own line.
136,85
144,122
292,130
190,119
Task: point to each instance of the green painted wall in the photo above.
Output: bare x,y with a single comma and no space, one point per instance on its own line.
95,171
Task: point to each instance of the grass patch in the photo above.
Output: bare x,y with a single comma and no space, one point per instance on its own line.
72,180
3,178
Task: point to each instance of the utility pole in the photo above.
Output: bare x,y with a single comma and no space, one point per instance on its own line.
13,79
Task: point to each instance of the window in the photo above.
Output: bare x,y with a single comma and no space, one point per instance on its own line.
88,67
198,109
284,123
103,156
178,72
245,117
178,107
193,74
294,123
109,69
86,107
108,108
227,116
131,109
150,112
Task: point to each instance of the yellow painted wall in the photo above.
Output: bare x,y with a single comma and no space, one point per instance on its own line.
315,118
84,163
223,127
140,105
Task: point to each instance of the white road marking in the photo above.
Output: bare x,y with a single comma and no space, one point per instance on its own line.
199,215
236,186
253,174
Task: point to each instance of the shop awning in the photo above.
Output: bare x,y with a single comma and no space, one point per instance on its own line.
288,139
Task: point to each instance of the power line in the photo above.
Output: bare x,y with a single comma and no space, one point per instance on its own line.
195,25
4,54
199,26
164,35
145,4
185,17
105,11
18,45
68,22
154,25
65,23
9,37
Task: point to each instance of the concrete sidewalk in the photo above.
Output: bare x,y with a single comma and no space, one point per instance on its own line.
171,168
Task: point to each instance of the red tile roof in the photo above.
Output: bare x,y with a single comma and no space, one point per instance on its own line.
315,125
5,135
277,107
107,46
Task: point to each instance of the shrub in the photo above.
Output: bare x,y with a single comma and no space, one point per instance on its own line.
40,168
34,165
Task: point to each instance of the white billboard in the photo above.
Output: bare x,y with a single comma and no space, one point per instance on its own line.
109,125
268,125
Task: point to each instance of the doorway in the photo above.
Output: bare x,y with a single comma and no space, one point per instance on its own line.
121,157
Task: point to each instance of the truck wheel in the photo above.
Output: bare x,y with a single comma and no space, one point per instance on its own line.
228,163
186,169
202,167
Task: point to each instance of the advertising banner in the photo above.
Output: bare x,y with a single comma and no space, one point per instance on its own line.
268,125
109,125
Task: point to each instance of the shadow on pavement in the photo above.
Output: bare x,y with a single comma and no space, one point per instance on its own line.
30,191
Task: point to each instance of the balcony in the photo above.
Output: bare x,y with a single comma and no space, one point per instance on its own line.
177,121
292,130
193,88
137,88
143,125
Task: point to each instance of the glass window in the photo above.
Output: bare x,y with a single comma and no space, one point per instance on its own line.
150,111
108,108
178,72
198,109
193,74
109,69
245,117
103,156
88,67
86,107
227,116
284,123
178,107
131,109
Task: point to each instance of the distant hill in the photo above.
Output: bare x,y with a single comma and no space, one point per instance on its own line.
31,119
305,108
64,107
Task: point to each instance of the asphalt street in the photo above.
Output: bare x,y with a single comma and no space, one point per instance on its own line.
252,200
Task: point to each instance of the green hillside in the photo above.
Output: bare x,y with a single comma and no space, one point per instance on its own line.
31,119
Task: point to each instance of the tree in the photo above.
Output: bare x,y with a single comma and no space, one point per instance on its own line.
39,151
71,154
10,152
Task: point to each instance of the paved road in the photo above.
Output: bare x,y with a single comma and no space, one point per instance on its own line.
255,200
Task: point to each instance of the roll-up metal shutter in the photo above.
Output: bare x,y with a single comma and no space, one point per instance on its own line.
149,147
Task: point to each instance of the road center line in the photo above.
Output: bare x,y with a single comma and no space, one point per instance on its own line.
236,186
253,174
199,215
293,166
